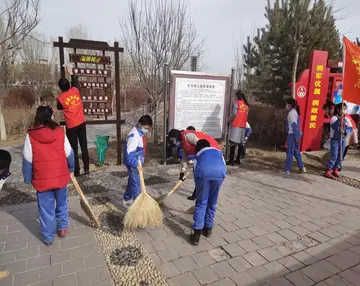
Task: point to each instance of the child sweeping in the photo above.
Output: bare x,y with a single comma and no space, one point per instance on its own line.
133,150
209,173
48,161
293,138
338,136
188,139
5,161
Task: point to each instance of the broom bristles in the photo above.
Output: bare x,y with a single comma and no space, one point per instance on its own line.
4,274
144,212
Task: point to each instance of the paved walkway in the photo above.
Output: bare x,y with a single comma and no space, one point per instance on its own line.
74,261
270,230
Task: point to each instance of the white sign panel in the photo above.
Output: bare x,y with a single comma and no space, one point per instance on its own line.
200,103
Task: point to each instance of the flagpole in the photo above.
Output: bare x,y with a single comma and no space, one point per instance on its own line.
342,102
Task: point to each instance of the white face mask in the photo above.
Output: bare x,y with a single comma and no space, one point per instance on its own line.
288,107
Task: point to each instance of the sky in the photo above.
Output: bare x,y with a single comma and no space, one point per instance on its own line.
221,23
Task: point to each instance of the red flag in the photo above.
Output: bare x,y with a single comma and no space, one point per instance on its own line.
351,72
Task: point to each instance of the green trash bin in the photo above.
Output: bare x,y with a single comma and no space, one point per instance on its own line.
102,145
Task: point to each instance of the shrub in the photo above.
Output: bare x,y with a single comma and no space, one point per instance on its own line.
19,97
268,124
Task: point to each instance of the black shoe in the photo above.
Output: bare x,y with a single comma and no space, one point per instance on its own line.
191,198
230,163
238,161
207,231
86,172
231,156
195,236
47,243
77,175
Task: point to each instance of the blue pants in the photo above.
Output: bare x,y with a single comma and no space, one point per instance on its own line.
133,187
207,191
53,211
335,158
293,150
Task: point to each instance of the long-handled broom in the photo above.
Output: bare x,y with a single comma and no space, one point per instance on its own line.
4,274
163,197
145,211
85,206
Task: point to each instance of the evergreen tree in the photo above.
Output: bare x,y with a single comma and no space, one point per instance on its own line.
280,50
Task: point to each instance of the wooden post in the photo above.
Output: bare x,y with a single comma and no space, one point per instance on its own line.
62,58
229,111
166,76
118,102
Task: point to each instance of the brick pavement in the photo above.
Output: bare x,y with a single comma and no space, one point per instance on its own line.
74,261
270,230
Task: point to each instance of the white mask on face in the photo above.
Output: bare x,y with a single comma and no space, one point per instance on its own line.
288,107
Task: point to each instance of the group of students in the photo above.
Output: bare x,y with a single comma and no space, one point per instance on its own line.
50,157
343,134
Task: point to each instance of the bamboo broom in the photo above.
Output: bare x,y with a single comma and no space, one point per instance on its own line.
163,197
85,206
145,211
4,274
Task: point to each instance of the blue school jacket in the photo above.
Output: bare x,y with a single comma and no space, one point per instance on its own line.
209,163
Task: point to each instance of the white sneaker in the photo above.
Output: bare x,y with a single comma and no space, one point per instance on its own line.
303,170
128,203
283,172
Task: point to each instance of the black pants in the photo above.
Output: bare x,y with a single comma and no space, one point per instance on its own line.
75,134
345,151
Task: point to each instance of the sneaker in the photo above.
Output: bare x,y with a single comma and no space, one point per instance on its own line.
47,243
336,173
191,198
128,203
303,170
328,174
195,236
62,233
87,172
283,172
207,231
230,163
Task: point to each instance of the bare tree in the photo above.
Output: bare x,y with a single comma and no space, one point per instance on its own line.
156,32
18,18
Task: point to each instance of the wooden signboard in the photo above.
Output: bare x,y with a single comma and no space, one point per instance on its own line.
92,72
95,85
89,59
97,98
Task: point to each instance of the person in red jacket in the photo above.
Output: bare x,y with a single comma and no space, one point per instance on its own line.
70,102
237,132
188,139
48,161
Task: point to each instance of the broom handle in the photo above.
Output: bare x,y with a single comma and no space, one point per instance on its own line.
141,175
77,187
176,186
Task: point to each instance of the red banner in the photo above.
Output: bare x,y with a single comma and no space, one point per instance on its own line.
316,97
351,82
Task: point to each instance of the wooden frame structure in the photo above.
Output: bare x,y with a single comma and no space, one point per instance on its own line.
104,60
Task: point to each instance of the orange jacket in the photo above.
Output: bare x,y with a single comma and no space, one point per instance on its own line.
241,116
190,149
72,107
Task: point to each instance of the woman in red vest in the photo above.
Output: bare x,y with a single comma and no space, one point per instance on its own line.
238,127
48,160
188,139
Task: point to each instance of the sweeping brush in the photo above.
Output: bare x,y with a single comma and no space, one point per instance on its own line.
4,274
85,206
163,197
145,211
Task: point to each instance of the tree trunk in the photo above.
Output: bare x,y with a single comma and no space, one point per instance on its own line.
294,69
2,124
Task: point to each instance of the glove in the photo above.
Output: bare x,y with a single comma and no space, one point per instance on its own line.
181,177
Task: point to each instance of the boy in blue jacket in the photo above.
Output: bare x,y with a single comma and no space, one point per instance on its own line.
338,133
134,149
209,173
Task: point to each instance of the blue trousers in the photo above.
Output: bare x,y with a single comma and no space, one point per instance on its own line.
335,158
293,150
133,187
53,211
207,191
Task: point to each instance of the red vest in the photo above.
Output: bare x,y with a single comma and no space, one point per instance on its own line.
241,116
144,145
190,149
73,107
49,163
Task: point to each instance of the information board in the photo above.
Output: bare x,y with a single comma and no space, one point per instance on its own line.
199,100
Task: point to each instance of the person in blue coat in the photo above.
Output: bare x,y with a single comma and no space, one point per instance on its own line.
134,150
293,137
209,174
338,135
